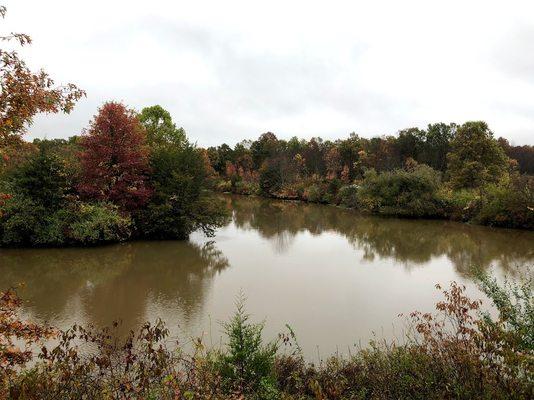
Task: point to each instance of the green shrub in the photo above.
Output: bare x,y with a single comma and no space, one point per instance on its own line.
224,186
20,219
24,223
508,204
333,186
515,303
410,193
247,364
459,205
313,193
98,223
348,196
245,188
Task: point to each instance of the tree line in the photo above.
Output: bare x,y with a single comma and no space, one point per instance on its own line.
456,171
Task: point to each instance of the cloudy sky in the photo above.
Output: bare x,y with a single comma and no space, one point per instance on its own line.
230,70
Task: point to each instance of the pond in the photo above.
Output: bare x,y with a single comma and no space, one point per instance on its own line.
336,277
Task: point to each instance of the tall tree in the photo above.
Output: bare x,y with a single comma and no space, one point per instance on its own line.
114,158
160,129
438,138
178,174
410,143
313,153
265,147
476,157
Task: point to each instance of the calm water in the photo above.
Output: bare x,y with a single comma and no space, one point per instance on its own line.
333,275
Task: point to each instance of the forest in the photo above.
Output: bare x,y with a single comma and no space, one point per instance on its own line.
136,175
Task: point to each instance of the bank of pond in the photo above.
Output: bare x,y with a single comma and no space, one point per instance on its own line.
415,192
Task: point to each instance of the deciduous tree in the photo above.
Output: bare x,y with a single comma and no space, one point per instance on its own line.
114,158
178,175
475,157
159,127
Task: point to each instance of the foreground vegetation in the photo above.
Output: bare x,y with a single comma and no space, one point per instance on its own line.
458,172
458,352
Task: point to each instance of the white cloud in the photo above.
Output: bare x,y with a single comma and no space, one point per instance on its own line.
234,69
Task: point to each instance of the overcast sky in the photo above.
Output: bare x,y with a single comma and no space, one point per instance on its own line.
229,70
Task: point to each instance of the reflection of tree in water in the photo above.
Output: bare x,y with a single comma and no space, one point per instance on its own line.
278,221
406,241
176,274
113,281
268,218
53,276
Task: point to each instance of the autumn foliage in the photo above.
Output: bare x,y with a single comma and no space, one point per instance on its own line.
25,93
114,159
16,336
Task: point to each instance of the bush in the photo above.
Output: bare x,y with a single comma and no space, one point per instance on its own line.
333,186
97,223
515,304
23,222
224,186
247,364
348,196
245,188
410,193
313,193
20,219
459,205
508,204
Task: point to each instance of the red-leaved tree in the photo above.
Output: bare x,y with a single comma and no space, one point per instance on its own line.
114,158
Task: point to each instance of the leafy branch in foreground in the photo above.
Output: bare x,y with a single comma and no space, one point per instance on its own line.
25,93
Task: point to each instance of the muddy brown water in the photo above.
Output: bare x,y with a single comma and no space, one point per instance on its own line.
336,277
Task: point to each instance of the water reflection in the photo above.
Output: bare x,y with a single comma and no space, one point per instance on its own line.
113,282
410,242
333,275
